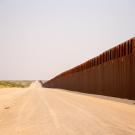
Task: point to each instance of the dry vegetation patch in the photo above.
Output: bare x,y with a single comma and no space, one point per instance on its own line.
18,84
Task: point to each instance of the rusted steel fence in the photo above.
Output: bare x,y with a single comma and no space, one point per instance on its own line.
112,73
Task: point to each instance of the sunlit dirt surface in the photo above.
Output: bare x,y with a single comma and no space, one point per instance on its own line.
42,111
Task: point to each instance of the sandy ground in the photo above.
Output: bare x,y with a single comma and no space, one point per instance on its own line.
40,111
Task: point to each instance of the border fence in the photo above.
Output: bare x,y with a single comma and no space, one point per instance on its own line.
112,73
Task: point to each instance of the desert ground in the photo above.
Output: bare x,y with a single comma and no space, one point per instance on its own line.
42,111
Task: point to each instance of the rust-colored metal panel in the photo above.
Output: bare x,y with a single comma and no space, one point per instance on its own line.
133,45
112,74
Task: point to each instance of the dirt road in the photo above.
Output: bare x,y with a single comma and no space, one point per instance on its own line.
38,111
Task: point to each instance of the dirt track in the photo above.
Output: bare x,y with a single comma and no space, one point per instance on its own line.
38,111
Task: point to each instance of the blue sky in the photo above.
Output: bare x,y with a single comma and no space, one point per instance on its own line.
42,38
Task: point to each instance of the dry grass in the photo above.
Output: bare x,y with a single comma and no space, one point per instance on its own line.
18,84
